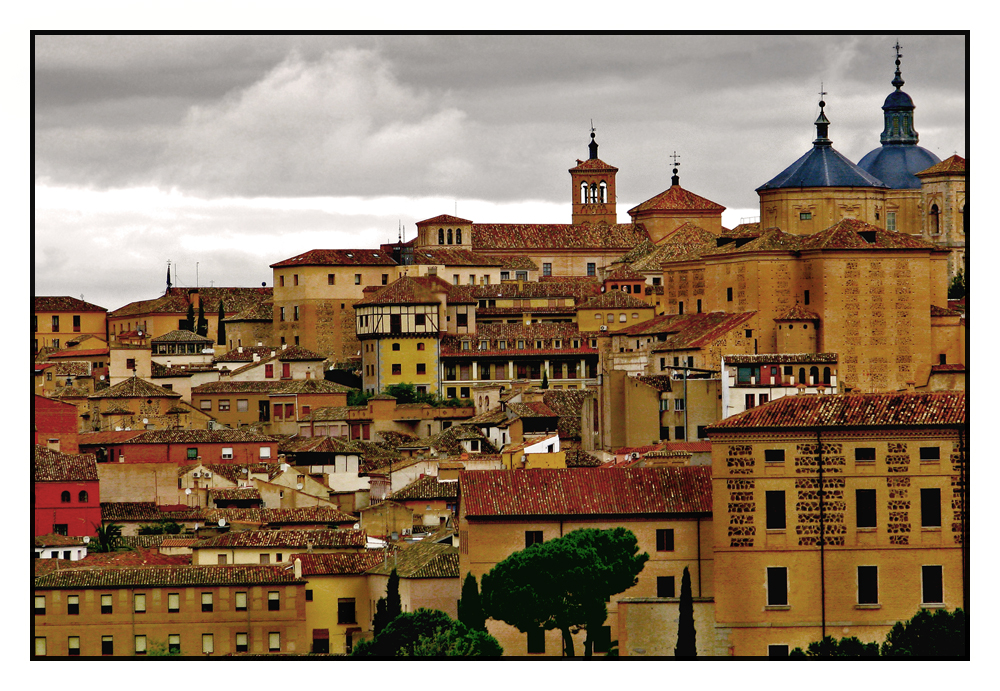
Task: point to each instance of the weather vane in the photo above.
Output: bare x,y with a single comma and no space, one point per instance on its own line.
675,157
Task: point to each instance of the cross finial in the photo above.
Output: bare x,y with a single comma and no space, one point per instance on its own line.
822,94
897,47
675,157
592,128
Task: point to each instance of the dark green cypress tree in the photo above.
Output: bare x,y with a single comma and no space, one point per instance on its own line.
221,340
202,329
470,607
393,605
686,645
189,321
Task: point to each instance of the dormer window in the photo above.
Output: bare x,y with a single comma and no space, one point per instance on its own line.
868,236
465,345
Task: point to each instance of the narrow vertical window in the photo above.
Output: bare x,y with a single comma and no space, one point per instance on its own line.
931,583
864,500
777,586
867,585
775,508
930,507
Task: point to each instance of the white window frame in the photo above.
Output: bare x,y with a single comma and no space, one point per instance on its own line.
227,453
265,452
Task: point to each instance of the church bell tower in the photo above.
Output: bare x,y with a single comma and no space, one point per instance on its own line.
593,183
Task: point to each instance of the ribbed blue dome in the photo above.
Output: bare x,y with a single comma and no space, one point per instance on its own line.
897,164
898,99
822,166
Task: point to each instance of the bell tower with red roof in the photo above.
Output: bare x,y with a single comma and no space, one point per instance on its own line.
593,183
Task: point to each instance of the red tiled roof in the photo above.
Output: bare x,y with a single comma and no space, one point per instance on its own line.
200,436
424,559
898,409
234,494
779,358
106,438
955,367
53,466
676,199
586,491
453,256
427,488
698,330
591,164
444,218
175,576
77,354
797,313
615,299
176,301
134,387
63,303
509,236
408,290
952,164
289,538
338,258
346,564
845,234
57,541
944,312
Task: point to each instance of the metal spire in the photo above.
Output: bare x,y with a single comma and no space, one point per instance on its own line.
898,79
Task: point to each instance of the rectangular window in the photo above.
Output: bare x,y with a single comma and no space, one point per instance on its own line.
174,643
930,453
173,602
192,454
749,401
223,405
665,586
265,452
242,642
40,646
546,269
890,220
73,604
39,604
777,586
385,279
397,368
346,611
602,639
55,322
462,319
679,433
864,454
274,641
591,269
421,368
265,558
867,585
532,537
505,275
729,294
774,455
357,279
805,216
805,297
930,507
664,539
241,602
536,641
227,453
222,559
207,644
779,651
420,320
295,313
107,645
865,502
140,645
206,602
205,404
76,323
73,645
273,601
309,596
281,314
139,602
106,604
775,507
331,279
678,404
286,370
931,585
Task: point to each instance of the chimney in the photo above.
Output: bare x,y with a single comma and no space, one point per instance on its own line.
284,346
297,568
256,357
239,349
909,386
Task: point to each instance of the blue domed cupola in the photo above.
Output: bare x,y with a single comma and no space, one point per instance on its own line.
899,158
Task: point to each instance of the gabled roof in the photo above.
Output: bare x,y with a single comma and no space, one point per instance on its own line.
319,539
615,299
625,273
63,303
338,564
424,559
586,492
377,257
591,164
182,336
162,576
510,236
146,511
134,387
77,354
262,311
811,411
676,199
176,301
234,494
444,218
53,466
408,290
427,488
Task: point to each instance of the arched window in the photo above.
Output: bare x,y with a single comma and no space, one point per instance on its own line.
583,192
603,198
458,236
826,376
593,193
64,497
440,236
813,375
84,497
802,375
449,236
935,219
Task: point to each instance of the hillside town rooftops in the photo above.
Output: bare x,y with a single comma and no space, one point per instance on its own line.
338,564
164,576
53,466
338,258
318,539
424,559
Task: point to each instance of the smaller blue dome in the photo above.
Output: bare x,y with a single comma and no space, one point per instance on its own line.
898,99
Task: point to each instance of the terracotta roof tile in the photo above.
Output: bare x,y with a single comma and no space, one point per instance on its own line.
63,303
53,466
427,488
510,236
145,511
444,218
798,313
592,164
422,559
199,436
846,235
377,257
408,290
615,299
809,411
690,331
586,491
134,387
182,336
321,539
176,301
338,564
952,164
161,576
779,358
234,494
676,199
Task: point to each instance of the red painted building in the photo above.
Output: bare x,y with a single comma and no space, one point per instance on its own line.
56,425
185,447
66,498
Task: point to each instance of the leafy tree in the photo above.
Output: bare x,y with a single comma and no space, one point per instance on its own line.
470,607
428,633
928,636
108,537
686,641
403,393
221,340
358,398
565,583
162,527
941,635
160,649
957,288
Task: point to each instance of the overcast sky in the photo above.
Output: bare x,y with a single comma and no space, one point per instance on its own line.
225,154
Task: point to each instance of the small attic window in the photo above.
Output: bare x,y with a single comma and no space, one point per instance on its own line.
805,216
867,236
